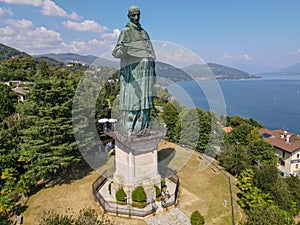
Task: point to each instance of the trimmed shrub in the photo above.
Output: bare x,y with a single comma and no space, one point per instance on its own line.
163,183
139,204
197,218
158,193
121,195
139,195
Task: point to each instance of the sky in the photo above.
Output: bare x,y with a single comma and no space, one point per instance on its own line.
255,36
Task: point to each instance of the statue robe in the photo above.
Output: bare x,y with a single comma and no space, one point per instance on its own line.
137,74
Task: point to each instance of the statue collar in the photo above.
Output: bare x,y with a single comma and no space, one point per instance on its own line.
133,25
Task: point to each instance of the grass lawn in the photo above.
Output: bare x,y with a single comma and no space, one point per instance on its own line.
67,196
201,189
206,190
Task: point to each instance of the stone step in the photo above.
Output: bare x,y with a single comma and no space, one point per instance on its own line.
172,217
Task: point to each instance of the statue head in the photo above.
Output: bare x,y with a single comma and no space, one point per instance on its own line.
134,14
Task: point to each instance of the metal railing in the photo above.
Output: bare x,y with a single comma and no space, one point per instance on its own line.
128,209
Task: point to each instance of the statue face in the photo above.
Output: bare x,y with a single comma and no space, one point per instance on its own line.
134,17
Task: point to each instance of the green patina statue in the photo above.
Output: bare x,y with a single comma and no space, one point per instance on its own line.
137,75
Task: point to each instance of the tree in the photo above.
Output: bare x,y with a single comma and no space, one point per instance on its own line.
267,179
239,134
194,129
48,144
17,69
234,158
235,121
293,183
268,214
250,195
262,152
170,117
197,218
7,101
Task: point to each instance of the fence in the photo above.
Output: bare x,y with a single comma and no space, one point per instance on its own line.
113,207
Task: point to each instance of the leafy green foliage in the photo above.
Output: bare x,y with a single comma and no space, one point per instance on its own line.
7,101
4,220
84,217
18,69
293,183
197,218
170,117
268,214
7,52
262,152
234,158
121,195
193,129
239,134
48,144
139,195
157,191
251,196
237,120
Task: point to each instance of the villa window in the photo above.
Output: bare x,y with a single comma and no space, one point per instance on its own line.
298,156
297,166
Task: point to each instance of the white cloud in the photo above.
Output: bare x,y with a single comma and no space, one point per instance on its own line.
113,35
24,36
175,55
23,2
245,57
87,25
50,8
94,47
7,32
5,11
227,57
20,24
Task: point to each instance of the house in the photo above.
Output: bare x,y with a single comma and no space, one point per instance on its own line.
287,148
19,87
21,93
227,129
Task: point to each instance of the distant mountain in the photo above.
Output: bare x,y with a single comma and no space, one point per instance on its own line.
172,73
216,71
70,57
294,69
290,70
7,52
88,59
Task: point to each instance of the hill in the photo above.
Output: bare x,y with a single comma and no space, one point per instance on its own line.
7,52
293,69
213,70
166,72
83,59
70,57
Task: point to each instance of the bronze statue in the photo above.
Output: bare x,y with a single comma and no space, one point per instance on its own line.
137,75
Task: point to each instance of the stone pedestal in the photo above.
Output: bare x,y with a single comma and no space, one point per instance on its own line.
136,165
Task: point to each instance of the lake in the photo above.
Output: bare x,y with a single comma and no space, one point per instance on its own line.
274,101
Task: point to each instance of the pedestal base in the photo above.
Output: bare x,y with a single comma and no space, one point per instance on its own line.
136,165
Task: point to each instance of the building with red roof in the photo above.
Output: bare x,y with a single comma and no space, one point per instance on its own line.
287,148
